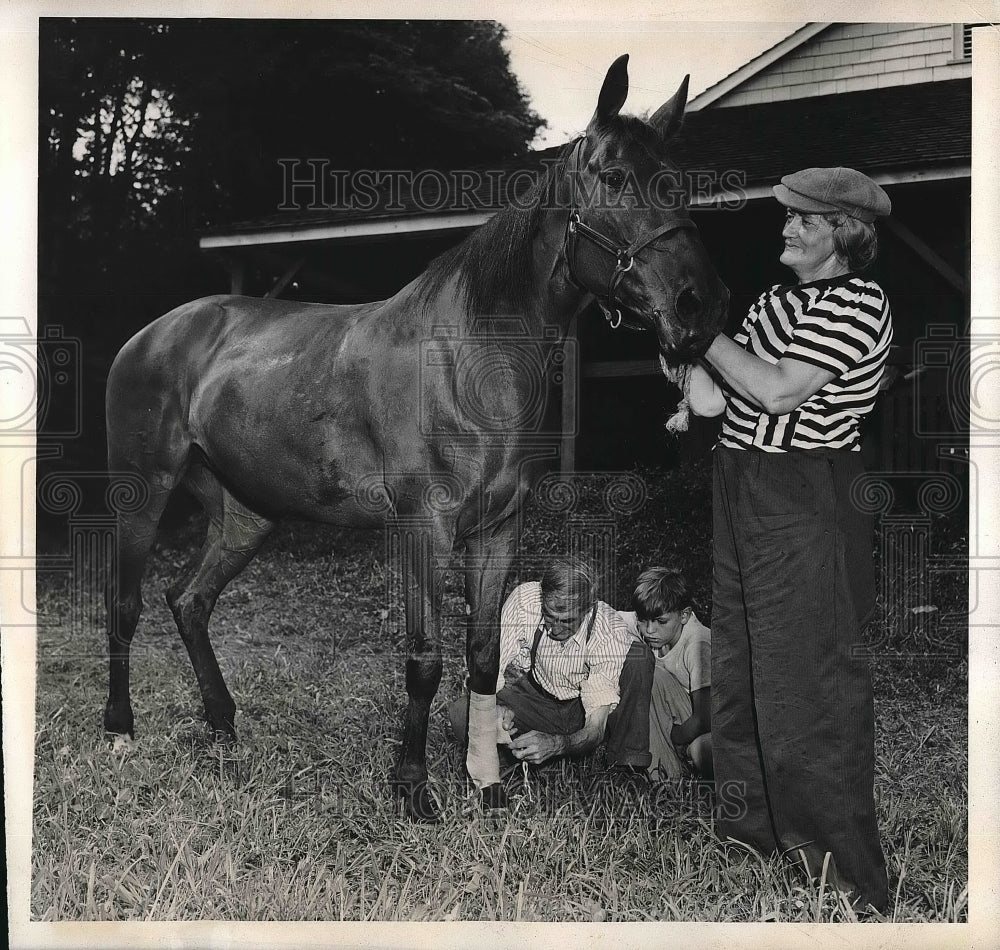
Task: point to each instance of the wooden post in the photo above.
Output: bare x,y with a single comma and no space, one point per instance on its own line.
283,281
928,255
237,274
570,397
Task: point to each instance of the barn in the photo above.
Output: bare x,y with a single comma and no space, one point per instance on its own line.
892,99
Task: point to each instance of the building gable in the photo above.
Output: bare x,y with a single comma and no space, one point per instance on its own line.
826,59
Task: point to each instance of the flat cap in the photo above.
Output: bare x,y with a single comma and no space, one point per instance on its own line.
833,189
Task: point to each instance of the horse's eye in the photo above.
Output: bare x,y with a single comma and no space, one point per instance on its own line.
614,178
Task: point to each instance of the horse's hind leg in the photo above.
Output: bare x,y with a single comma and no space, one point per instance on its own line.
234,536
422,586
123,596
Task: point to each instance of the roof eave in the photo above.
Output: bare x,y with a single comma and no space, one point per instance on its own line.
899,176
760,62
348,231
359,231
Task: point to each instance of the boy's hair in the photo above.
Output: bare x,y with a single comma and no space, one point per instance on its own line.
660,590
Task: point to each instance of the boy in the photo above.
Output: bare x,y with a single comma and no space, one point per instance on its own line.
680,712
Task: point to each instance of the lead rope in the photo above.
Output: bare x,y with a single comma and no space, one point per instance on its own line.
680,376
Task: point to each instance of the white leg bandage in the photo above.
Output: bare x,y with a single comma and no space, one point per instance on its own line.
482,760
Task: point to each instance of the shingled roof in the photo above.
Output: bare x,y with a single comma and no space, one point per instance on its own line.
903,132
895,129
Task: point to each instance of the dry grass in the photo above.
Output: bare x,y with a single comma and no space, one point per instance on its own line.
296,823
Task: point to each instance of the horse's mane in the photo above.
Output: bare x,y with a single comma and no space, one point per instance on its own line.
493,264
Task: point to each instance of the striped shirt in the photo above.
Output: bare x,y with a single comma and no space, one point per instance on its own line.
842,325
580,667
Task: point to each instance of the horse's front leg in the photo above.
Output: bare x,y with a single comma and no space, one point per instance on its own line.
488,564
422,592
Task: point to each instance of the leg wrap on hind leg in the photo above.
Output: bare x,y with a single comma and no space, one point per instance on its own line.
482,760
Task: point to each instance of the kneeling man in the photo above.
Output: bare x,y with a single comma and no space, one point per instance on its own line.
572,674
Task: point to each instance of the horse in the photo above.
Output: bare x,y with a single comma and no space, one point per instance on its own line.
265,408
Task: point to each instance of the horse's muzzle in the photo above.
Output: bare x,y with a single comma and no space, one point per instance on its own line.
684,346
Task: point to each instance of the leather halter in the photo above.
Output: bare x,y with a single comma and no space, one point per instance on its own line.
624,256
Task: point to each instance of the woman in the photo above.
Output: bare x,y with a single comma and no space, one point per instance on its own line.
793,584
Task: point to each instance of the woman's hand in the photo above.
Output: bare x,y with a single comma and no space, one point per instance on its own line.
705,396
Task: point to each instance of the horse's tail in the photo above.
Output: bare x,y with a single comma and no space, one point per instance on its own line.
147,437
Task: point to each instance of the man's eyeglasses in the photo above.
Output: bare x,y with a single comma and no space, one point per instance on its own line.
562,623
569,620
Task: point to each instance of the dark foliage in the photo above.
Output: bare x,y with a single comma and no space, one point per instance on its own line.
150,131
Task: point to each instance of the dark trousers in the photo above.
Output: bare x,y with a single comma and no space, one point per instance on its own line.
627,732
792,707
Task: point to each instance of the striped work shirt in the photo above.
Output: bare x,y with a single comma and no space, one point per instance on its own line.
577,667
841,324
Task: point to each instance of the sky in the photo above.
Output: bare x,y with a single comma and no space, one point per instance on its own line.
561,64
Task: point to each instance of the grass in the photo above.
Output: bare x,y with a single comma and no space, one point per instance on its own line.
295,821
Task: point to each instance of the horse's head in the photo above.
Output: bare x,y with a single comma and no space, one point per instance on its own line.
629,238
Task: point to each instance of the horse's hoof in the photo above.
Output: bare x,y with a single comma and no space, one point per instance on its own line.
494,797
417,801
222,735
221,723
118,722
118,740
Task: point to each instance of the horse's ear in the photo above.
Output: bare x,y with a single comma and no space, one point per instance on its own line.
613,93
668,118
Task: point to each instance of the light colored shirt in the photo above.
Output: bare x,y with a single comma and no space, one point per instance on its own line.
689,660
577,667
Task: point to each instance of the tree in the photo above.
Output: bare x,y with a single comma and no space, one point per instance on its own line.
152,130
360,94
108,139
144,122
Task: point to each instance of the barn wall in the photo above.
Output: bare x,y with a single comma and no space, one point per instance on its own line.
851,56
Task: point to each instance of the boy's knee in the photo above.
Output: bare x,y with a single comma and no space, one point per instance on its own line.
700,751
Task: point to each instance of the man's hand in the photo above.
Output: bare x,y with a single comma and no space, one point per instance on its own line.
505,722
537,747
